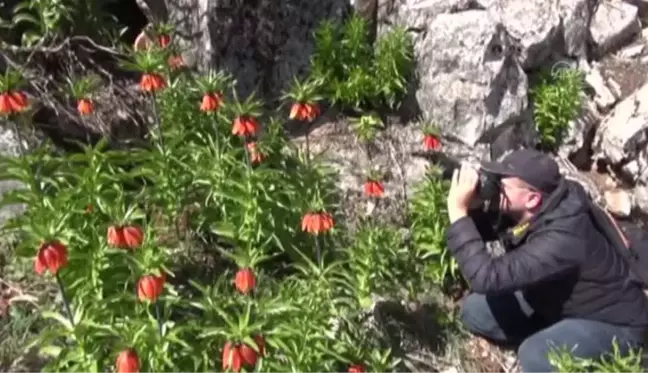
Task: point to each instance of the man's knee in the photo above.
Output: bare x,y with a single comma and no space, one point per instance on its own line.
477,317
533,355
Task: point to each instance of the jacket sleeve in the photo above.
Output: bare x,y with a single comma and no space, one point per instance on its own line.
543,257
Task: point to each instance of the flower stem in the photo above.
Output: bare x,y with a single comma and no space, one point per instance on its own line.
158,317
158,126
216,136
66,302
19,139
318,250
247,156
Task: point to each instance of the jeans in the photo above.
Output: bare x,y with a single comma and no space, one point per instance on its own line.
507,319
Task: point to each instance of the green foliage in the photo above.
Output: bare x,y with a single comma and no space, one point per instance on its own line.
429,224
199,198
356,76
557,100
48,19
564,361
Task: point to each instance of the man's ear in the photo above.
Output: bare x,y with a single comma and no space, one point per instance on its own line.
534,201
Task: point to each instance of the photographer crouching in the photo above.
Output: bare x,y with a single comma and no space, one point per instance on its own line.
561,282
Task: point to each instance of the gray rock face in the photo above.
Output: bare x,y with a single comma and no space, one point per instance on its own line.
8,146
613,23
622,138
535,24
263,43
576,16
470,80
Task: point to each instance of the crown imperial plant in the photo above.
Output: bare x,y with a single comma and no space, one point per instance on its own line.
52,256
149,287
245,280
127,361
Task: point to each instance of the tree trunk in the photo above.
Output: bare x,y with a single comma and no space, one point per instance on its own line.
262,43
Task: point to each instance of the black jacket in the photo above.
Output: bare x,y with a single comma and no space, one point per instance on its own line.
563,265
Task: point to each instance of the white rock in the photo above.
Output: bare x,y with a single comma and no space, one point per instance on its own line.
470,81
619,202
632,51
613,24
603,96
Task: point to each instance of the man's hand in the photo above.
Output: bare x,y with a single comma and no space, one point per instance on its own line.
462,192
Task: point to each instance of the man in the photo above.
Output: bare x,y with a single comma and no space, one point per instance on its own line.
560,284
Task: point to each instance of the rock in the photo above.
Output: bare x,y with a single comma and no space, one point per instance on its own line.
641,198
412,14
534,23
613,24
632,51
622,138
603,97
9,147
575,144
619,202
262,43
642,6
576,16
471,84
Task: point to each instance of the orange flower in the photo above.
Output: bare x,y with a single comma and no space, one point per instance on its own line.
317,222
164,40
85,106
115,236
304,111
235,356
374,188
12,102
152,82
127,361
245,280
431,142
249,354
356,368
255,155
232,357
51,256
125,237
89,208
133,236
149,287
211,102
245,125
175,62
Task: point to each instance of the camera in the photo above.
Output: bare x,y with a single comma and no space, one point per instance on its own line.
488,187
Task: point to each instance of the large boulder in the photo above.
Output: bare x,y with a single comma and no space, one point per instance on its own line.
613,24
471,84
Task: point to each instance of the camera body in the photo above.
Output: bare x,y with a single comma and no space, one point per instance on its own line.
489,189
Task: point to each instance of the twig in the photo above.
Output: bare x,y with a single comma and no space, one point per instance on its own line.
39,48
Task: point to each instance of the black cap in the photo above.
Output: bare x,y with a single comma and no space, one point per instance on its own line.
534,167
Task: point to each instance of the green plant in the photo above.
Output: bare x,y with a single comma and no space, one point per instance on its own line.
183,193
429,220
348,67
45,20
557,100
562,359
